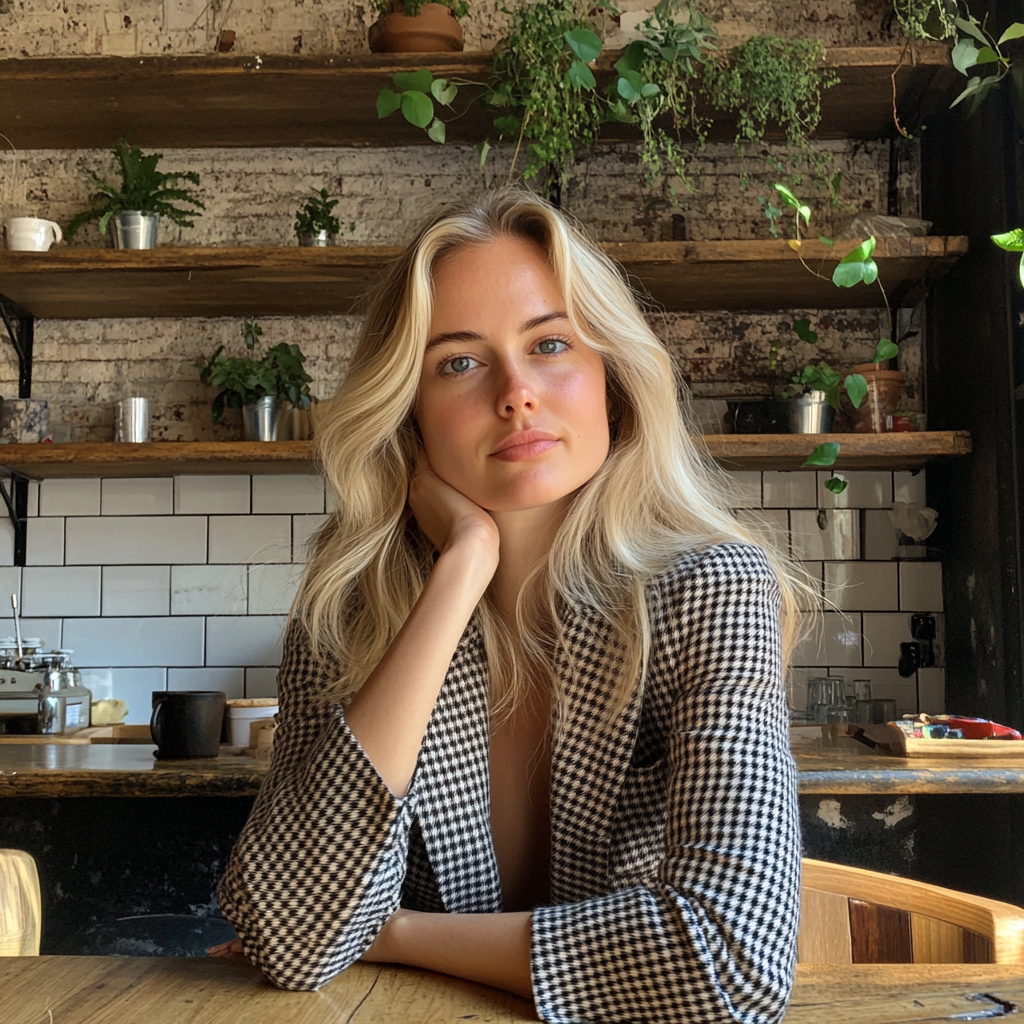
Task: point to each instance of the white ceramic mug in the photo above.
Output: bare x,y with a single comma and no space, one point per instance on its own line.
32,234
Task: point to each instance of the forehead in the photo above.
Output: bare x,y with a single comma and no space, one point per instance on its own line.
492,254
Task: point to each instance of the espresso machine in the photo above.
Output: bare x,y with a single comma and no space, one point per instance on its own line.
41,692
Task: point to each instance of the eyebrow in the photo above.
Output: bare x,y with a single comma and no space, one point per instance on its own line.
527,325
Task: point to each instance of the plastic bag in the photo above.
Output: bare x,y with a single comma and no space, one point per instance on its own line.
880,226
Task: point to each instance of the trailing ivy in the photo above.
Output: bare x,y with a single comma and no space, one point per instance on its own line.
927,19
767,80
540,86
655,78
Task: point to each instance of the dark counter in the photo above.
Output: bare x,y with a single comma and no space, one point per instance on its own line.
121,770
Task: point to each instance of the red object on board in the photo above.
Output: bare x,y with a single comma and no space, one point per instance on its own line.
978,728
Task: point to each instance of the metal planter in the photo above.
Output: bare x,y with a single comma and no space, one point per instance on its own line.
811,414
317,238
260,419
133,229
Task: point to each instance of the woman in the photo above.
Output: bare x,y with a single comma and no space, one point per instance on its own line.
532,730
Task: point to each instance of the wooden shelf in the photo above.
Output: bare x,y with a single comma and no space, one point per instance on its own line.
236,100
157,458
857,451
287,280
173,458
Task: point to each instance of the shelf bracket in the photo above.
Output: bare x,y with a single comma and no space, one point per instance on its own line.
15,496
22,340
15,493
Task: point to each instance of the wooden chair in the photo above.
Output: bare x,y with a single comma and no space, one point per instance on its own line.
852,916
20,912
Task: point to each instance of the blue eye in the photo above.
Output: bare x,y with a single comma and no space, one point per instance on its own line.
549,346
460,364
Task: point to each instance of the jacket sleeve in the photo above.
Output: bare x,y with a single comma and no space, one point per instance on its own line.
709,933
319,866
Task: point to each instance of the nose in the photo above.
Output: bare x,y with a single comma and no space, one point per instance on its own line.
516,391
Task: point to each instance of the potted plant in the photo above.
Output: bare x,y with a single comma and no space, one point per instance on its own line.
144,195
544,98
412,26
257,388
315,223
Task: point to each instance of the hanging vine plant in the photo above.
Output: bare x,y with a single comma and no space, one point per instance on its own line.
767,80
544,97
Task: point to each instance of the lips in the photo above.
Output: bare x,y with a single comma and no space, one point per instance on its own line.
524,444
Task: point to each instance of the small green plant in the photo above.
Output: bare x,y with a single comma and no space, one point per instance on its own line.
976,46
968,54
856,267
245,379
316,215
142,188
926,19
411,8
1013,241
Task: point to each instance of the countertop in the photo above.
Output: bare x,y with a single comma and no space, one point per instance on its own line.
61,770
52,770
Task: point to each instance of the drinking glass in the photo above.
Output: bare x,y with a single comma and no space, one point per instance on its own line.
877,711
824,692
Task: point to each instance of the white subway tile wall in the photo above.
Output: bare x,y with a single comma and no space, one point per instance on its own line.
141,497
185,583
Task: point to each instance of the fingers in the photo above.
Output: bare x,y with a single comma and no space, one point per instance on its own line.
230,950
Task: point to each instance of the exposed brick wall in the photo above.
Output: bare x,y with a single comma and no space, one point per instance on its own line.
45,28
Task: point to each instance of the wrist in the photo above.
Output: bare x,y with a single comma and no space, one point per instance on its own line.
472,558
395,936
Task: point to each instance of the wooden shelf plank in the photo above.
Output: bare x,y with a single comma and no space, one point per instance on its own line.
67,283
157,458
235,100
170,458
857,451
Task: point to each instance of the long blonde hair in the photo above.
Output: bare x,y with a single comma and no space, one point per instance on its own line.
656,495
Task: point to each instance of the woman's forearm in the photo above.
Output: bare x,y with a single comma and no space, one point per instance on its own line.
492,949
389,714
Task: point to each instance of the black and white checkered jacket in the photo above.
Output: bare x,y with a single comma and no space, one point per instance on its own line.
675,863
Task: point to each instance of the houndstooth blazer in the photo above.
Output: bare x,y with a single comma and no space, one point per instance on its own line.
675,865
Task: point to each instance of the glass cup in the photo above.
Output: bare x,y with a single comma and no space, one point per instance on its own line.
877,711
824,692
860,689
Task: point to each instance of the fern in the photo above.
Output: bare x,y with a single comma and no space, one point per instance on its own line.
142,188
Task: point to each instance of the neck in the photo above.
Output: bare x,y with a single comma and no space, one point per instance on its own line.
526,537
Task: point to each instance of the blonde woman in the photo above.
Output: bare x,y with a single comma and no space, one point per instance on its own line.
532,729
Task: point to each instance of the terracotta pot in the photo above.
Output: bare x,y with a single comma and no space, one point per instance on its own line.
881,401
434,30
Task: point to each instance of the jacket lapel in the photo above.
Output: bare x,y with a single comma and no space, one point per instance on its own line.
589,757
453,785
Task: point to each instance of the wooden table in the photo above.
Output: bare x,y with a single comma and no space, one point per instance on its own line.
107,990
63,770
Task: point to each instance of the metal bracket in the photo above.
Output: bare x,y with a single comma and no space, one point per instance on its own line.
15,495
16,500
22,341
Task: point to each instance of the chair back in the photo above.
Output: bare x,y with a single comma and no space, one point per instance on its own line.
853,916
20,905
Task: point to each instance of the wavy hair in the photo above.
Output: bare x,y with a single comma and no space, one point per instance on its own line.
657,494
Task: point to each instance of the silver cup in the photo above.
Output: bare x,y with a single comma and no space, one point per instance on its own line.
131,420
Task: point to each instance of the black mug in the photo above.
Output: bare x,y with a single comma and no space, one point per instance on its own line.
187,723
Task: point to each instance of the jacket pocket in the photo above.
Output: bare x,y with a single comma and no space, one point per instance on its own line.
638,832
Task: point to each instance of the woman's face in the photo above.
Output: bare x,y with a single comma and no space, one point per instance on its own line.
512,404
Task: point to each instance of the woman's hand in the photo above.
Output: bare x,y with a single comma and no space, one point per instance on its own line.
230,950
448,518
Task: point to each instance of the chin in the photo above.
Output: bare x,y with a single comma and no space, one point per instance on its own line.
523,496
